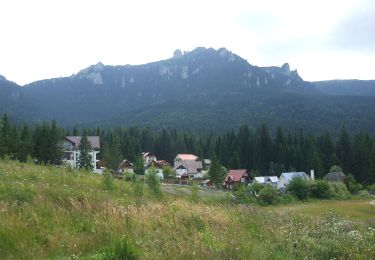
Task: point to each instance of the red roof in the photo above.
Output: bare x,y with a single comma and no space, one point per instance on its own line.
187,157
235,175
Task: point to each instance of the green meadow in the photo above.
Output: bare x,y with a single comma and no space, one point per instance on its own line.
54,213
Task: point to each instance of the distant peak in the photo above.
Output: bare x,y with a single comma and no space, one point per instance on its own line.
177,54
2,78
286,68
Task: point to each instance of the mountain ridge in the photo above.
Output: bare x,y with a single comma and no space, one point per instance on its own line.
205,78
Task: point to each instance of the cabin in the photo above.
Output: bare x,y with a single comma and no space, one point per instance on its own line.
286,177
233,177
267,180
71,150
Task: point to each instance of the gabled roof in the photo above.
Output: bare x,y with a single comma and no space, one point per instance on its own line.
235,175
191,166
159,163
291,175
265,179
145,154
187,157
93,140
126,164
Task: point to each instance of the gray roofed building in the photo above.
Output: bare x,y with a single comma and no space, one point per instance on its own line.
76,141
286,177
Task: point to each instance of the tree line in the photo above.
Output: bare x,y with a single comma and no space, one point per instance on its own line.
259,150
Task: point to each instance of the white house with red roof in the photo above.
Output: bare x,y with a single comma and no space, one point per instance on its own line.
236,176
71,151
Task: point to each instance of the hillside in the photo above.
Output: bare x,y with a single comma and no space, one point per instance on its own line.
48,212
201,90
347,87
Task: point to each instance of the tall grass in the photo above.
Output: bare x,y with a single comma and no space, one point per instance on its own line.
47,212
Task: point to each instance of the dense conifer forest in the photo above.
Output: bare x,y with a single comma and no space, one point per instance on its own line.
259,150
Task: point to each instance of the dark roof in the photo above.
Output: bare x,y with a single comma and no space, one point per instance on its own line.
235,175
334,177
191,166
93,140
159,163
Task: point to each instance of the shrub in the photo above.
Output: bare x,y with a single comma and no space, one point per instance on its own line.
353,186
371,188
320,189
194,193
338,190
107,181
299,188
269,195
121,249
254,188
153,183
287,198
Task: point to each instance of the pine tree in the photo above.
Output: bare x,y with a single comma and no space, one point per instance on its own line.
85,158
215,172
26,144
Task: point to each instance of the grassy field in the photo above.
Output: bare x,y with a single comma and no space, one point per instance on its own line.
359,209
52,213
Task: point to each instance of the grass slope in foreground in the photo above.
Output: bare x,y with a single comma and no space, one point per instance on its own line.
46,212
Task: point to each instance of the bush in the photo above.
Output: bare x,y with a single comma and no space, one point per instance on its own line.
320,189
254,188
353,186
287,198
121,249
194,193
107,181
269,195
338,190
299,188
153,183
371,188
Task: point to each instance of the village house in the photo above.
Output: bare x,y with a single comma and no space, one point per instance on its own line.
191,169
125,166
71,151
188,166
148,157
286,177
233,177
158,166
267,180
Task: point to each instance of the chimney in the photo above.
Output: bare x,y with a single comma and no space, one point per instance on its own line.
312,175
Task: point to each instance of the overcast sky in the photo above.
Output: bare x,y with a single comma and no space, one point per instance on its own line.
323,39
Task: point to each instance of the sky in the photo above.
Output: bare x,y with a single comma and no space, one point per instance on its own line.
322,39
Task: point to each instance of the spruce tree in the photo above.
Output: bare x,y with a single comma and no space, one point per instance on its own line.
215,172
85,157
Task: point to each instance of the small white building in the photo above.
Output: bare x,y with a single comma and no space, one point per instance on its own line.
71,151
267,180
286,177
